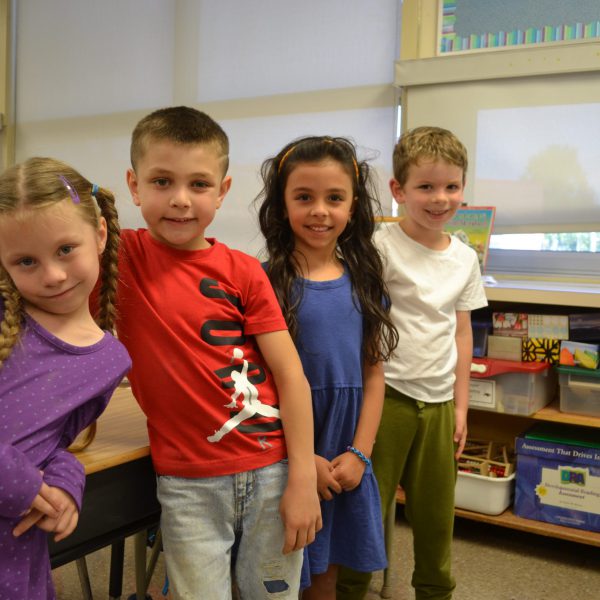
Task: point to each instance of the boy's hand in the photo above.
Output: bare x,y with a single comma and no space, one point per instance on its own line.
301,515
326,481
460,433
348,470
61,521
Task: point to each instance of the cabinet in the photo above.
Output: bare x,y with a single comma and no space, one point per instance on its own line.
533,298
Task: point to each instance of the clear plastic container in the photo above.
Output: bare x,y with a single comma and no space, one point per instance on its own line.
514,387
579,391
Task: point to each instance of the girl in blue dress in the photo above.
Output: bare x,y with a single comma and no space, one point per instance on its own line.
316,212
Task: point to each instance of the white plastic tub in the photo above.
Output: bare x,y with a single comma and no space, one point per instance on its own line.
483,494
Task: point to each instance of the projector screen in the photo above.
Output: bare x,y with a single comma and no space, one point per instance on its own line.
533,143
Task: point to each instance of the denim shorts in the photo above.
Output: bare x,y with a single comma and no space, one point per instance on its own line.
214,527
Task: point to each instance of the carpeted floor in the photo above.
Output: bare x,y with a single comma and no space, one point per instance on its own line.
490,563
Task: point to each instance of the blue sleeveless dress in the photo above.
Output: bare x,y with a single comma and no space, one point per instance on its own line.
329,344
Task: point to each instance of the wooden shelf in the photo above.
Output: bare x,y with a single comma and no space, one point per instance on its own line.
553,413
544,292
511,521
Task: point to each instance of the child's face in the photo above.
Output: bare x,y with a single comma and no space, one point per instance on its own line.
319,200
179,188
52,256
431,195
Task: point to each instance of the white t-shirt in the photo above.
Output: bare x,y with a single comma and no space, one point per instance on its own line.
427,287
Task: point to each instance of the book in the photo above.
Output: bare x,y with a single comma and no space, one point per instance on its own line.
473,225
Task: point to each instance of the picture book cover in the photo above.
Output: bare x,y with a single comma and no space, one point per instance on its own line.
473,225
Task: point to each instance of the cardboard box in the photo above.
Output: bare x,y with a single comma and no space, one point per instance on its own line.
512,324
579,354
543,350
512,387
504,347
584,327
555,327
558,477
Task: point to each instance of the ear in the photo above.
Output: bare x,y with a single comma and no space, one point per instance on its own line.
102,233
223,189
397,191
132,184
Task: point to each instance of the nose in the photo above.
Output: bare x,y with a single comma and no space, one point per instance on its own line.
53,274
179,198
319,208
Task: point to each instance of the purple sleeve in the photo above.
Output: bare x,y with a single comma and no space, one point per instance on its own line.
62,469
20,481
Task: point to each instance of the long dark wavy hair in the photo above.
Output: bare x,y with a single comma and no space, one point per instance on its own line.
355,245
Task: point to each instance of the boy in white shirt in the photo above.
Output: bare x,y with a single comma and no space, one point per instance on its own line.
434,282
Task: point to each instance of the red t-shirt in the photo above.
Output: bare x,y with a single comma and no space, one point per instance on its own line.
188,320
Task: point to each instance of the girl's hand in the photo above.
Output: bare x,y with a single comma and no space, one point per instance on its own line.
46,502
348,469
62,522
326,481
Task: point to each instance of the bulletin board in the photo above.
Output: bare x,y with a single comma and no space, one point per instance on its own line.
475,25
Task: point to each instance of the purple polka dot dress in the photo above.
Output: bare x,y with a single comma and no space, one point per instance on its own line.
49,392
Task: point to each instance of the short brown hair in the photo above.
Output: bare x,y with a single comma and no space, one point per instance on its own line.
423,143
180,125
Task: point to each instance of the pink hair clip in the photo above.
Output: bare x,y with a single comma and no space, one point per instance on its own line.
72,191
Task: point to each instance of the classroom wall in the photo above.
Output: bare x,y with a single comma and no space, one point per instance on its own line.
268,72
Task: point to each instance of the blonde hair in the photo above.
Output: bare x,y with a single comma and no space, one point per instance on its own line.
427,143
39,183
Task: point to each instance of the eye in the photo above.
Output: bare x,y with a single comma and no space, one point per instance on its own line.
424,186
336,198
161,182
454,187
200,184
303,197
26,261
64,250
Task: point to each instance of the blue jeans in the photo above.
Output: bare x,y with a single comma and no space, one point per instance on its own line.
214,526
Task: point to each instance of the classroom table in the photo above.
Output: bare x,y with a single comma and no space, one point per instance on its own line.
120,493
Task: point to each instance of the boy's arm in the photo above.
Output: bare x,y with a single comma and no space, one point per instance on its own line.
464,347
300,509
349,467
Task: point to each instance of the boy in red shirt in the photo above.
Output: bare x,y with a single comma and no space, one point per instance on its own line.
216,373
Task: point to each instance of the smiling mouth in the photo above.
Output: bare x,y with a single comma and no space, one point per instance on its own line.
318,228
60,294
179,220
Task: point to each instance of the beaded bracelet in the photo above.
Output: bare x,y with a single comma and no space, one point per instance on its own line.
360,455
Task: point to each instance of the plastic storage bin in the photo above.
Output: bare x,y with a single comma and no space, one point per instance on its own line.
483,494
514,387
579,391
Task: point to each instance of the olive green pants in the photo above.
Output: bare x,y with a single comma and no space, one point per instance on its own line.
415,448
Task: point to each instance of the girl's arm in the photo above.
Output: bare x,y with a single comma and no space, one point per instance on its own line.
349,467
64,475
20,482
464,347
299,506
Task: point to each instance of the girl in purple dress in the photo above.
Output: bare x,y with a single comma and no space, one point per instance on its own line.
58,365
317,216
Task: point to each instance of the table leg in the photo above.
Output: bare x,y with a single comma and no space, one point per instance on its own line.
117,557
140,541
84,579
